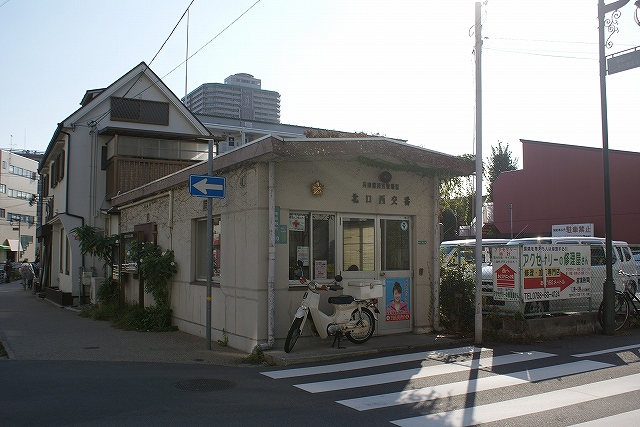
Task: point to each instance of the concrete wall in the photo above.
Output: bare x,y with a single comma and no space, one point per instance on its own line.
240,300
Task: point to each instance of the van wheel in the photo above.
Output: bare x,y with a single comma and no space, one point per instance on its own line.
536,308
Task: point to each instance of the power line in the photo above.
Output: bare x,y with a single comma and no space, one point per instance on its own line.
215,37
539,54
102,116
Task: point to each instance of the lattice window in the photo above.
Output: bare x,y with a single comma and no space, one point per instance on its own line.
140,111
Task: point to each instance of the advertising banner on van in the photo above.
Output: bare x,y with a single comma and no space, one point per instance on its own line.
551,272
506,273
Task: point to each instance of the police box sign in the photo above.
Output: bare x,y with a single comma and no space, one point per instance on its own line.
572,230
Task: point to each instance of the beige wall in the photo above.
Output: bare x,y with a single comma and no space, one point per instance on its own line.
239,304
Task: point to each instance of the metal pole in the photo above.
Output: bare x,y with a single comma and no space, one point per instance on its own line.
478,54
608,293
209,249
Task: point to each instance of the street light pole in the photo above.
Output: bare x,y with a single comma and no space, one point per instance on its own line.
609,285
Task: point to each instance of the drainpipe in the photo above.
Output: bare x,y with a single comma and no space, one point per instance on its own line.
272,261
436,256
66,211
171,219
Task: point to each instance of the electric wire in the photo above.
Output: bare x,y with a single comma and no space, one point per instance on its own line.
97,120
100,118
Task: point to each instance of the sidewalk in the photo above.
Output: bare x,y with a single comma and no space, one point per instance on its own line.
33,328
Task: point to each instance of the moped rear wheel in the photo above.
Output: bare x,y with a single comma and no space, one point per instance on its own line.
292,336
368,322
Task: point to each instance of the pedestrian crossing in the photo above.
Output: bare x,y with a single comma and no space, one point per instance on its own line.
423,386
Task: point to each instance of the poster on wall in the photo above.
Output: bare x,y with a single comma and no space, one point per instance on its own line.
302,254
397,299
320,269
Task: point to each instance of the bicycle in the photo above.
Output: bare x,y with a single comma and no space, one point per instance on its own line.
621,302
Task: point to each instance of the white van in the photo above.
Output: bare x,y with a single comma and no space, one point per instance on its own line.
622,260
455,251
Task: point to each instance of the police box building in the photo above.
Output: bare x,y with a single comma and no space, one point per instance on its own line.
363,208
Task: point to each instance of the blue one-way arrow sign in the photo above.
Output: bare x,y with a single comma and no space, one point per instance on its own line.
207,186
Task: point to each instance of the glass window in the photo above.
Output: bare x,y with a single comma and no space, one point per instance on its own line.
395,244
312,243
202,260
358,244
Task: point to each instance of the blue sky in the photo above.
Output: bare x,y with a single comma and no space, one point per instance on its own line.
402,69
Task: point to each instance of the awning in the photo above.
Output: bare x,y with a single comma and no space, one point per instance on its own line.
5,247
14,245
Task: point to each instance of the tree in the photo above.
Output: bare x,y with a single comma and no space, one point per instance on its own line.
456,203
500,161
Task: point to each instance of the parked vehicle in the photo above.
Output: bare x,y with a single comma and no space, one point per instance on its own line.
636,258
354,316
454,252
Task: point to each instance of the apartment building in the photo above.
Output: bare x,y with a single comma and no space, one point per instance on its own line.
240,96
18,205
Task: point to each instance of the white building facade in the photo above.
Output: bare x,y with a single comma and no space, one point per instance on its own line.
366,209
18,206
128,134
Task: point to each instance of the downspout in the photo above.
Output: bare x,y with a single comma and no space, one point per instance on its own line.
436,256
66,212
171,219
271,300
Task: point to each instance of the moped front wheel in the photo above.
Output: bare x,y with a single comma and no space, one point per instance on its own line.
366,326
292,336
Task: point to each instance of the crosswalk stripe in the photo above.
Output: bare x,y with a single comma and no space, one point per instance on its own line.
526,405
608,350
380,361
625,419
408,374
462,387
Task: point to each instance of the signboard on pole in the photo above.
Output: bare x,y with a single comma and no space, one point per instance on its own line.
627,61
207,186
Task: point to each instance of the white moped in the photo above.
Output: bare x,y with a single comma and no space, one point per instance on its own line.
351,317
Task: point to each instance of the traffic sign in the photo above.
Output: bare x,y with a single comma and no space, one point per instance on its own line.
207,186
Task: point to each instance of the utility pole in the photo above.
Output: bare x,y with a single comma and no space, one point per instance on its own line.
478,57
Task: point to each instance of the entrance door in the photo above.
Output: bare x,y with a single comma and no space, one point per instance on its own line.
379,248
395,274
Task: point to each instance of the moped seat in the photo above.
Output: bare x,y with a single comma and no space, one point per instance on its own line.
342,299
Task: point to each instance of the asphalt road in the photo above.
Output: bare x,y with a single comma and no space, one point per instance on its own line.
554,383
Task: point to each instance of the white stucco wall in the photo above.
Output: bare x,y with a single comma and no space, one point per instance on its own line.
239,305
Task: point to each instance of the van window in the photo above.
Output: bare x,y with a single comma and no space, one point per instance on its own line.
627,253
598,255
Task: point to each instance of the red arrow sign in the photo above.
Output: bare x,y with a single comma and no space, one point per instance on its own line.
561,282
532,282
505,277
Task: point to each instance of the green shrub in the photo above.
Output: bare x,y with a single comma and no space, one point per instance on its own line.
457,297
